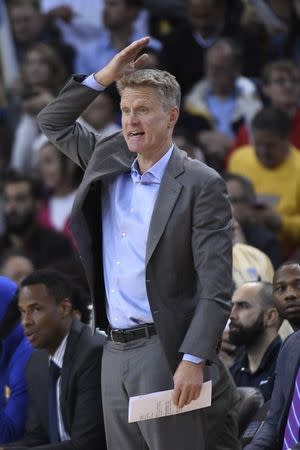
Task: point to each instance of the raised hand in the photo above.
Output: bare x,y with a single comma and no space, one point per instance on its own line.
124,62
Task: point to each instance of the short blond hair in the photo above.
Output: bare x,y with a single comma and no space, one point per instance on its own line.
165,84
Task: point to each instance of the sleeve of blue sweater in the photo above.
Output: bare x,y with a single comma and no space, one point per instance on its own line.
13,413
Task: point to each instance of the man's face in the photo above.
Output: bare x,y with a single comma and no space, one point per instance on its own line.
270,149
116,13
206,17
247,317
26,23
220,72
147,127
44,320
51,167
19,207
282,89
286,289
36,69
241,210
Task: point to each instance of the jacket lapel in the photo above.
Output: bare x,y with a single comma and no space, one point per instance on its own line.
104,162
168,194
70,354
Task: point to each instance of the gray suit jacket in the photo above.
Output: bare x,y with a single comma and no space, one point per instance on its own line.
271,434
188,256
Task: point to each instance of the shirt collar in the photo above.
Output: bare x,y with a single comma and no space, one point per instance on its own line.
155,173
58,356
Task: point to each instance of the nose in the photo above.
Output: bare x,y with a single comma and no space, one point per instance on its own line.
26,319
290,293
132,118
233,313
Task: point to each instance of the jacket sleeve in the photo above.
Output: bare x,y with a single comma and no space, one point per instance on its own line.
267,438
35,434
87,429
58,122
212,251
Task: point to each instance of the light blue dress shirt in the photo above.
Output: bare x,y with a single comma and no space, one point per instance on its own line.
127,205
128,201
222,111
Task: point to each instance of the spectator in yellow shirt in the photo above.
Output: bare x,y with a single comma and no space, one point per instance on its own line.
273,166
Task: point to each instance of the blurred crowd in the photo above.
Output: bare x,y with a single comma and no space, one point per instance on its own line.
238,65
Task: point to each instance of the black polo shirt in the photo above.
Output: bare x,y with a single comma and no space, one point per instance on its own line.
263,378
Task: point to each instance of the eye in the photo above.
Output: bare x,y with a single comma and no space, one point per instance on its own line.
278,289
243,305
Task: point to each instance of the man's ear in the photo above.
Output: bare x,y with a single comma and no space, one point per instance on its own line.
173,116
271,316
66,307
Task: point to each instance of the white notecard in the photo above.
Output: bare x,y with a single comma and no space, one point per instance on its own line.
160,404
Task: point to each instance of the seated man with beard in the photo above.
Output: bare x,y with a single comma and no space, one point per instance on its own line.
254,323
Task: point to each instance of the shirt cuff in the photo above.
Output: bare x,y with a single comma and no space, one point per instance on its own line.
91,82
192,358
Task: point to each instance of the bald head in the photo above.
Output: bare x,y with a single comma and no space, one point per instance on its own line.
253,313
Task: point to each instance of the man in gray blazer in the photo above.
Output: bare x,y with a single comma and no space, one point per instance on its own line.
153,232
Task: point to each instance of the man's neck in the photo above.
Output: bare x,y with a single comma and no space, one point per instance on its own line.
59,339
256,352
146,161
224,95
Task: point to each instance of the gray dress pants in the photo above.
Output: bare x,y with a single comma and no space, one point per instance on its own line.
135,368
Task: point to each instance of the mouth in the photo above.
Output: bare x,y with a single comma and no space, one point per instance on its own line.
135,133
234,328
292,308
30,335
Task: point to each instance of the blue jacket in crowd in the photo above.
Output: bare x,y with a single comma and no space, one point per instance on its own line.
15,351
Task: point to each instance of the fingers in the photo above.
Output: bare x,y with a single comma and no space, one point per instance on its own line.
183,395
123,63
130,52
141,61
188,380
176,395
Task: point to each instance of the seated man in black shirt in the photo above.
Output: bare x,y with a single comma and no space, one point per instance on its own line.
254,323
